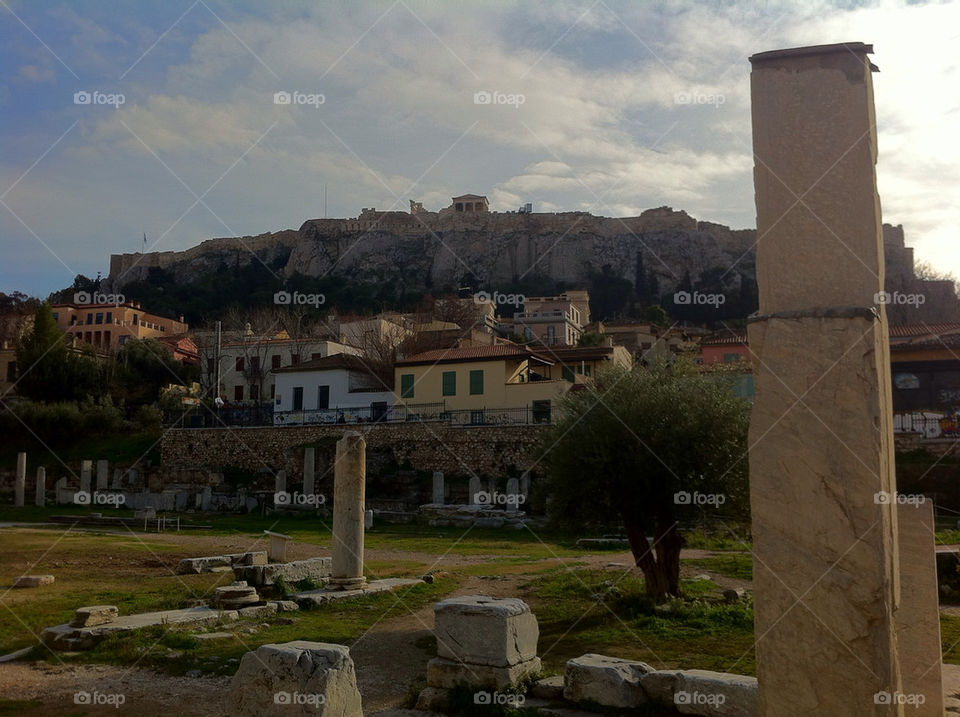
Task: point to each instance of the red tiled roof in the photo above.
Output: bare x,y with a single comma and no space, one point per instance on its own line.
727,338
473,353
909,330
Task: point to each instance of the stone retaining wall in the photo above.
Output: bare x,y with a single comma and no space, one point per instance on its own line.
482,450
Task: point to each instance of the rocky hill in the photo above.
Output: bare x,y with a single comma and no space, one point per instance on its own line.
481,250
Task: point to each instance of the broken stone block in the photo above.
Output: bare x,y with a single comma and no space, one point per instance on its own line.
479,630
608,681
715,694
549,688
94,615
447,674
237,595
317,569
433,699
286,605
298,677
32,581
258,611
733,595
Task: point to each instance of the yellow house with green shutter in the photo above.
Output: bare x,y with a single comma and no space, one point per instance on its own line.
504,383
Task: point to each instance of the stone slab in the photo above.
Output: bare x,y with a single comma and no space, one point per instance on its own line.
32,581
482,630
608,681
94,615
317,569
316,598
447,674
258,611
549,688
192,566
716,694
67,637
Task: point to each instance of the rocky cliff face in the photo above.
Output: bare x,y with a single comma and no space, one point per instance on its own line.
483,250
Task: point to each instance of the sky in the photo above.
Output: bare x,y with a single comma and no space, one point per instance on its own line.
119,120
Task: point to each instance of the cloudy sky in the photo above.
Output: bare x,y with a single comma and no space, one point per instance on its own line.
601,106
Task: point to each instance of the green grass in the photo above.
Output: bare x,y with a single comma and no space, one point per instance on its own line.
599,611
736,565
950,639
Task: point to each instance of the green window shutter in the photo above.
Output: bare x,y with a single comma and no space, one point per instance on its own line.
449,383
476,382
568,374
406,385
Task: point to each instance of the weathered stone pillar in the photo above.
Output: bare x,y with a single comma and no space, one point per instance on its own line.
525,484
821,448
86,471
437,497
103,479
473,489
206,498
280,488
309,470
19,487
513,494
40,493
349,477
918,617
117,482
62,495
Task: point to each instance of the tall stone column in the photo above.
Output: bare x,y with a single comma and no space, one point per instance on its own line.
40,492
103,477
86,471
437,497
821,443
309,470
918,617
19,487
349,477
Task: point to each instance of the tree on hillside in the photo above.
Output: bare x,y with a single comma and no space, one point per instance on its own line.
635,447
47,370
144,367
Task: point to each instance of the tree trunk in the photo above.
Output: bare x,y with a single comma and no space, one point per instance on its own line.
661,563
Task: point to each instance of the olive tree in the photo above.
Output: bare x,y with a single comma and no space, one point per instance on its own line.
648,448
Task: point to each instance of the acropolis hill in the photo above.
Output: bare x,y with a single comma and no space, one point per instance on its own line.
475,247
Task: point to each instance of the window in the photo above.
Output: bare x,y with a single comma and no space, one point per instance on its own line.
254,363
541,411
238,393
254,392
11,371
123,339
275,361
476,382
211,365
731,358
89,319
527,333
323,397
298,398
273,390
56,315
551,334
109,317
314,357
449,383
136,319
406,385
239,363
294,359
567,374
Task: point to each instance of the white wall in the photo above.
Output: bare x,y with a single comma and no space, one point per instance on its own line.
336,379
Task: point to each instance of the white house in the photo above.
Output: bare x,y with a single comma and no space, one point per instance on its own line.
336,389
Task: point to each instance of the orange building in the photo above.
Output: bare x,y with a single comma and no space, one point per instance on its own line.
107,327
